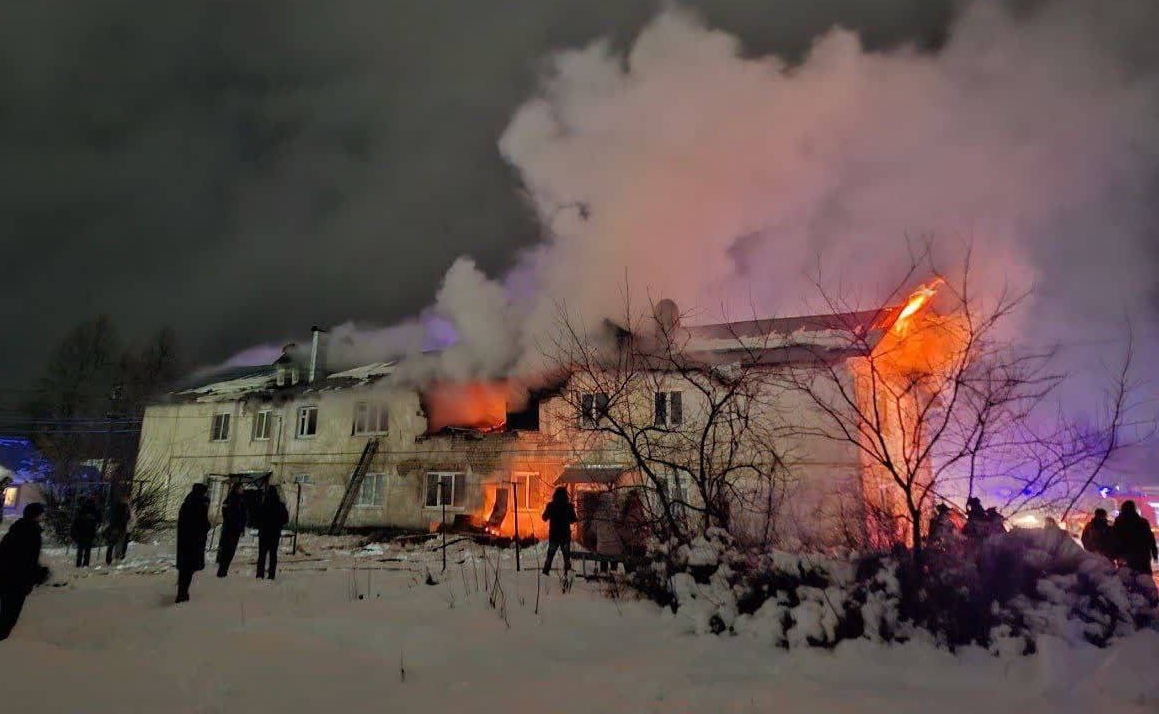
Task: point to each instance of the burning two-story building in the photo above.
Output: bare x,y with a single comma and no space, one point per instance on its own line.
358,448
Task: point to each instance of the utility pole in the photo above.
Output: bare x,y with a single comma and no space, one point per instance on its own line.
443,526
515,490
298,481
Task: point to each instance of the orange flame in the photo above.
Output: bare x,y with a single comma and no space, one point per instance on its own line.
917,300
474,405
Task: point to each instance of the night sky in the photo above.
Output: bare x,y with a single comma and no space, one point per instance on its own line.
241,170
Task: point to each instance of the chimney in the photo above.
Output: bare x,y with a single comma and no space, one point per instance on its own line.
317,354
667,316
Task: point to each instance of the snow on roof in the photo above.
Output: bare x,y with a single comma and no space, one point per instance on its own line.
366,372
232,388
802,337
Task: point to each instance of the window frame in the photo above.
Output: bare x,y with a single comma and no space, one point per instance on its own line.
219,427
662,401
373,414
380,491
457,478
528,477
591,412
298,430
255,434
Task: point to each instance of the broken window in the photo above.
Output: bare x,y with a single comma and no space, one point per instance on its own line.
219,431
449,493
370,418
593,408
371,492
307,422
669,409
287,375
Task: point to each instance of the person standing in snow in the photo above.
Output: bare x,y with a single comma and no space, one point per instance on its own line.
559,515
85,524
120,526
1096,536
192,534
1134,543
20,568
272,516
232,526
977,526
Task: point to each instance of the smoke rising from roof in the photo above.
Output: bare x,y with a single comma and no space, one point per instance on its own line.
687,169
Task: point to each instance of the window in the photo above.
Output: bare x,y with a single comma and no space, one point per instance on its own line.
371,492
287,375
450,493
593,408
220,429
10,495
262,422
369,418
524,485
307,422
669,409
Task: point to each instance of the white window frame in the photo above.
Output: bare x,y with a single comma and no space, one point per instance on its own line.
591,418
665,396
374,419
287,375
303,421
457,483
523,480
219,427
264,417
378,494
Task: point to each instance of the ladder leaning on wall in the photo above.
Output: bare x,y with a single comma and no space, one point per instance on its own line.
353,486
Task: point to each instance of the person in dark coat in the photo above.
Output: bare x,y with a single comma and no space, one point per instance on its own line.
233,513
1097,537
85,523
559,515
192,534
20,568
117,533
977,523
1133,540
272,516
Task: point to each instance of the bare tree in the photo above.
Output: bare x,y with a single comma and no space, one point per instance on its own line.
685,414
935,399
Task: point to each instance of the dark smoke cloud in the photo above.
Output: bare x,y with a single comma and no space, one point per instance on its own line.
245,169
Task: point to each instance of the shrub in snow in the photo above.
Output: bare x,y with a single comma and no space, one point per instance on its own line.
1002,594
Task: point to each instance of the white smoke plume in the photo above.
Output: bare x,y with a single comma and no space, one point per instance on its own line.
689,170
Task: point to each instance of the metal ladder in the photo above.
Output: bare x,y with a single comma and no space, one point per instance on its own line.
353,486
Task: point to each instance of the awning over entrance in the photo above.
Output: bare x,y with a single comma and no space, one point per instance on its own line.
599,475
245,477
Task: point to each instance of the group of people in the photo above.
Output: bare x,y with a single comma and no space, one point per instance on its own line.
1129,540
21,571
193,526
86,525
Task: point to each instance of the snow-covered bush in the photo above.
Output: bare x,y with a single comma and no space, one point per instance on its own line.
1001,594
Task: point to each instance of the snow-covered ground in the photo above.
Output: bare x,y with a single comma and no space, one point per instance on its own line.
345,629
